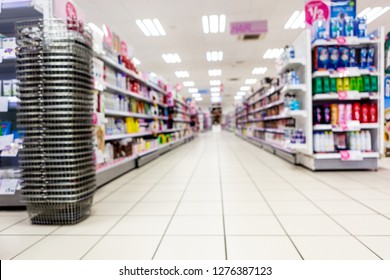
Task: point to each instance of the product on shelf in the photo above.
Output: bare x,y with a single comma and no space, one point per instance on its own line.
330,142
362,84
335,57
341,114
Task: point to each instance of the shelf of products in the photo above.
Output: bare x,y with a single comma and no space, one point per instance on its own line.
134,115
11,141
325,106
386,103
274,116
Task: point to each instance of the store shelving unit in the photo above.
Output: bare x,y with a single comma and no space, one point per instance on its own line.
10,193
253,124
148,108
348,159
265,120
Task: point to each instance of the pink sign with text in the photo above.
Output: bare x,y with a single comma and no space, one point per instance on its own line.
248,27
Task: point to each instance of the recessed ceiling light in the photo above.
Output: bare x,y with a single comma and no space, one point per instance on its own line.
273,53
215,83
136,61
373,13
182,74
250,81
241,93
214,56
214,24
259,70
215,72
245,88
198,98
188,84
237,97
193,90
297,20
215,89
151,27
171,58
215,94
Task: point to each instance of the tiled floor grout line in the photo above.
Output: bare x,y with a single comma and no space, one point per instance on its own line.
179,202
265,199
222,203
364,184
135,204
350,197
151,166
325,213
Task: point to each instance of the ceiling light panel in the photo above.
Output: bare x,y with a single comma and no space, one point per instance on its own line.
273,53
297,20
151,27
171,58
215,89
182,74
373,13
259,70
215,72
215,83
237,97
214,24
188,84
214,56
215,94
250,81
241,93
245,88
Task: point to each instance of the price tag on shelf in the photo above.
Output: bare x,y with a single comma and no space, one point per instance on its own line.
8,186
343,126
351,155
343,95
341,40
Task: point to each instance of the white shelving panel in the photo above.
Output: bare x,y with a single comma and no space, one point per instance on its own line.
334,161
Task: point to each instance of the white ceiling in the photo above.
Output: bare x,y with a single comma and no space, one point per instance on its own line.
181,20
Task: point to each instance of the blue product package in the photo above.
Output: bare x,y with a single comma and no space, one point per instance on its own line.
322,58
362,27
363,58
352,57
334,57
319,29
344,57
349,27
370,57
334,28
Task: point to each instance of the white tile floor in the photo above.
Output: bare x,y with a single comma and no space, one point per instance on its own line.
219,197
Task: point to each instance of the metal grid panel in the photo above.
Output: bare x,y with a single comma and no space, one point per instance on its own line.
53,67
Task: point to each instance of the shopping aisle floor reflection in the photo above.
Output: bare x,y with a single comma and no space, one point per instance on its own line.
219,197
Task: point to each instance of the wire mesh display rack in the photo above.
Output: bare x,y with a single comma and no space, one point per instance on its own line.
54,66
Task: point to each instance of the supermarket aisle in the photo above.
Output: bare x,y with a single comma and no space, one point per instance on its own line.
219,197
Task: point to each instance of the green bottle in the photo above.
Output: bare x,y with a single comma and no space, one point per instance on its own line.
353,83
326,84
333,85
360,85
374,83
317,85
367,83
